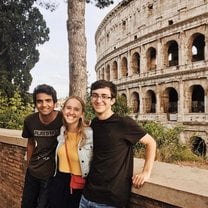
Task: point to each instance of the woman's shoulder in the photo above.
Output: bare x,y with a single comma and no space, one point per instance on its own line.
88,130
89,135
61,135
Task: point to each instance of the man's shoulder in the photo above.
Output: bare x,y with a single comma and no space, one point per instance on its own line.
59,114
121,118
125,120
59,119
31,116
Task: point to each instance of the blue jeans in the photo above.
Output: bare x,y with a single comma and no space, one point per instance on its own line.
84,203
35,192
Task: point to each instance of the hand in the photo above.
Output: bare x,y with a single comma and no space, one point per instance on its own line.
139,179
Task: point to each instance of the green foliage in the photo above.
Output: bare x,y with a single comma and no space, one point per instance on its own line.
13,111
48,4
101,3
169,148
22,30
89,112
105,3
164,136
184,153
121,107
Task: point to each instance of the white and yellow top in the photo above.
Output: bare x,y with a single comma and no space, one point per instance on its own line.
72,142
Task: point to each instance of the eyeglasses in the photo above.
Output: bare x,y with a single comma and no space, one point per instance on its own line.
95,96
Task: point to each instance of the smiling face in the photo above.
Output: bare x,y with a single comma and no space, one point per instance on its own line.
44,104
102,102
72,112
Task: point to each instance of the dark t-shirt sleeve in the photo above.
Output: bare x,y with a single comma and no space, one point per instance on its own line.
134,132
26,133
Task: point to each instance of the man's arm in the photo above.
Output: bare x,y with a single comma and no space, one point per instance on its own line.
30,148
150,151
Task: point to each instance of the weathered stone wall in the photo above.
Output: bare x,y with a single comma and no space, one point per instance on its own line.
156,52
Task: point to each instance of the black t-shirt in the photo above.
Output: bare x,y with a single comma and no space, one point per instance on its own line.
42,162
109,181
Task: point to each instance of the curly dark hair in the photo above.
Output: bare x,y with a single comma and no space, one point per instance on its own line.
44,88
103,84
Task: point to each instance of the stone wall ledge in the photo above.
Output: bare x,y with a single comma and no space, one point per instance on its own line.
12,136
181,186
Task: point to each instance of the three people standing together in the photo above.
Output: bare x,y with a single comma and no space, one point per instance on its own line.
102,154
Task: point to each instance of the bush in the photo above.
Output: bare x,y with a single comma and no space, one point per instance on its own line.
13,111
121,107
169,148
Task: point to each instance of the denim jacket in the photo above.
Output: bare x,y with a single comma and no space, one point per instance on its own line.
84,152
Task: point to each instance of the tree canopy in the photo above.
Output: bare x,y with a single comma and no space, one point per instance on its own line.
22,30
101,3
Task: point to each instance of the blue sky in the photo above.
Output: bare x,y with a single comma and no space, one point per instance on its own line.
52,67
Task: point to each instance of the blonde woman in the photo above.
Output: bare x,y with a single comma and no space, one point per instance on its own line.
73,154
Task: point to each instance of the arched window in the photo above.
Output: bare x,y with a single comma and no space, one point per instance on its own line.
150,102
197,99
115,70
108,72
135,102
136,63
197,47
124,67
198,146
151,59
172,53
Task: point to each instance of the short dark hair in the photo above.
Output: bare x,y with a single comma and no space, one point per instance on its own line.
103,84
44,88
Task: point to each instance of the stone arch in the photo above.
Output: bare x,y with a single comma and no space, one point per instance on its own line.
196,47
101,75
136,63
172,53
197,98
123,95
151,59
198,146
150,102
115,70
124,67
169,100
135,102
108,72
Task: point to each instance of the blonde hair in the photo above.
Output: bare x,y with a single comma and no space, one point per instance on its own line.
81,124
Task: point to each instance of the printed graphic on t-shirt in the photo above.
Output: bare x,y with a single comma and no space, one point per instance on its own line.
45,142
46,133
42,157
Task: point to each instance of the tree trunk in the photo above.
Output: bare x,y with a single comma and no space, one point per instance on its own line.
77,48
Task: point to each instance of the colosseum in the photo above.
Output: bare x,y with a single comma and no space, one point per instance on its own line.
156,52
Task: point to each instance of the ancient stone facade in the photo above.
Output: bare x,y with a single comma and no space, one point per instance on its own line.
156,52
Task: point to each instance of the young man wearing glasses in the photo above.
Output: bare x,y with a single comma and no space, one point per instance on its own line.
111,174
